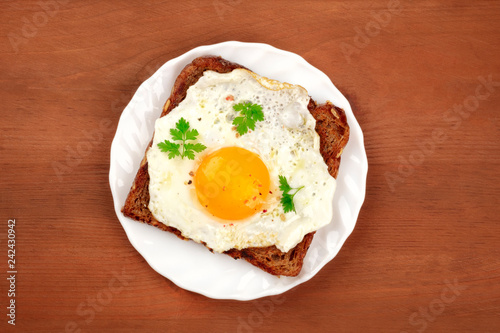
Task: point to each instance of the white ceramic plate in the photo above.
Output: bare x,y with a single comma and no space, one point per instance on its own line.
188,264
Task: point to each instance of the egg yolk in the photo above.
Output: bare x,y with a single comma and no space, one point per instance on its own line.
232,183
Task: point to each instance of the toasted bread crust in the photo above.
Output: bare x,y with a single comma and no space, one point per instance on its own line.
331,126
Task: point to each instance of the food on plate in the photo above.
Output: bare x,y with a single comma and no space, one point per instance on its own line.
243,164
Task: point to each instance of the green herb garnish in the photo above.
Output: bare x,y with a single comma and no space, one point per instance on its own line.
250,114
287,198
182,133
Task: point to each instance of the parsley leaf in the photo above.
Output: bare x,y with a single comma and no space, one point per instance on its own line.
287,198
250,114
191,134
169,147
190,149
176,134
182,125
182,133
284,187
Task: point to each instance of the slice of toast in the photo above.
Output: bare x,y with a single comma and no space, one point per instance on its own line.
331,126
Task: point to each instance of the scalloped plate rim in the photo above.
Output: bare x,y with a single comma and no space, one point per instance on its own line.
355,132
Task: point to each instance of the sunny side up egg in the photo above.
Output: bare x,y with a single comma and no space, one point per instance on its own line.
228,196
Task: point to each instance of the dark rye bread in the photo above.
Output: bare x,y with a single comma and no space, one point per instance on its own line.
331,126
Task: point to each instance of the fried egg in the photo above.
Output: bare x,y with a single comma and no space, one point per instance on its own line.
228,196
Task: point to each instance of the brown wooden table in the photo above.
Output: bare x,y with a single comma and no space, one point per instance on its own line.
423,80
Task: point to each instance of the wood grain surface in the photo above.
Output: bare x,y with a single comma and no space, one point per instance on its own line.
423,80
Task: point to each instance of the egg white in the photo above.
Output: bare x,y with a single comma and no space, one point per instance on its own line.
285,141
